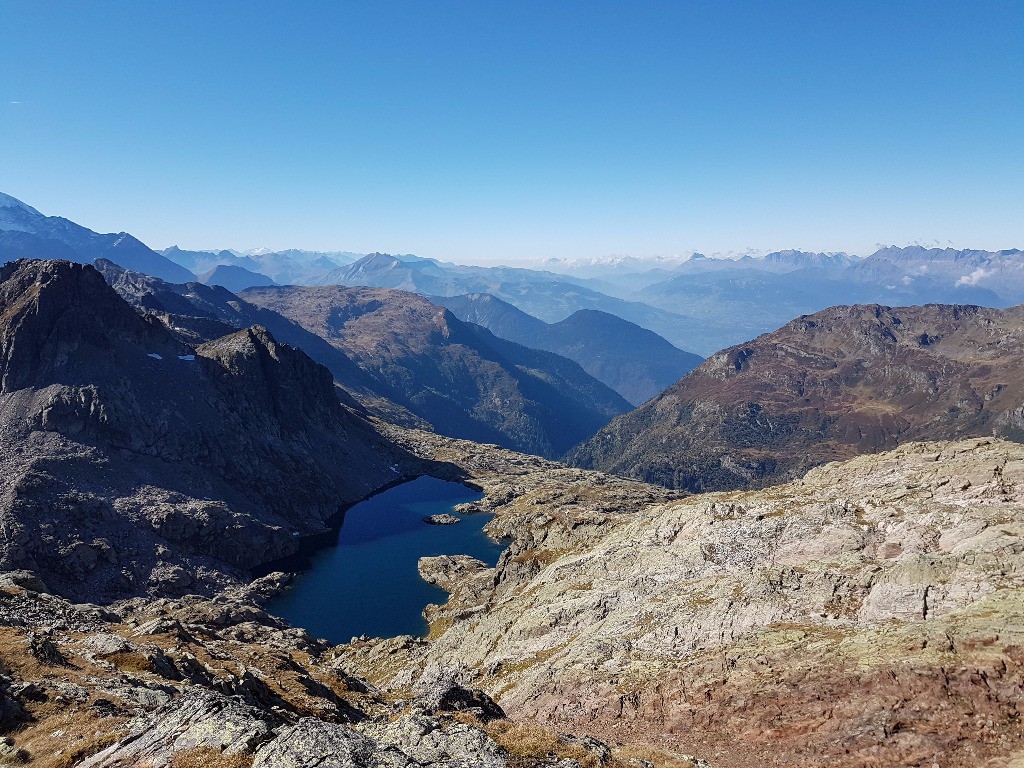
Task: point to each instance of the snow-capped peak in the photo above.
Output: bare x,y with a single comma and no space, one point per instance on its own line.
6,201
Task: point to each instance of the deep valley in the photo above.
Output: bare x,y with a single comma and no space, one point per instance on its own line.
222,514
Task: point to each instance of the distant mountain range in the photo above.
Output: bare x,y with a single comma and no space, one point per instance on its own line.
290,267
747,297
544,295
698,304
704,304
825,387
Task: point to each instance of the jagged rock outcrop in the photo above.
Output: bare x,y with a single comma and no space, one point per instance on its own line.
132,463
169,683
824,387
198,719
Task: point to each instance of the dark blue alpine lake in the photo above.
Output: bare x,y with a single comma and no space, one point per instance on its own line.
368,582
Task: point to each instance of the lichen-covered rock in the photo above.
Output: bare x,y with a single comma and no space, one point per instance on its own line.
315,743
198,718
422,737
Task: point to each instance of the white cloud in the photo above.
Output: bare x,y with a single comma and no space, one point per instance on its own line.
977,275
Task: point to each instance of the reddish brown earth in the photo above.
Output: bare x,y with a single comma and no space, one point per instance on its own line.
828,386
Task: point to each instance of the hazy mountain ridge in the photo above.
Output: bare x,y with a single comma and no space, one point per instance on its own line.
544,295
283,267
635,362
234,278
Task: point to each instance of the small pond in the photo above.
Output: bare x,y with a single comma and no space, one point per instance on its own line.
368,582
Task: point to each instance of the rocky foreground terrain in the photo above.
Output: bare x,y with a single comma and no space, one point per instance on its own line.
217,682
196,683
869,614
824,387
133,464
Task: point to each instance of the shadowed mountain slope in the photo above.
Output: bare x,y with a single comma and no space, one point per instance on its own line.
197,313
133,463
459,378
827,386
234,278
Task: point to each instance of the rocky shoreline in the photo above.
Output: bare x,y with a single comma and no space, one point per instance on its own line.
870,613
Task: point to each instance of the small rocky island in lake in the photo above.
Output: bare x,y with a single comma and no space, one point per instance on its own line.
442,519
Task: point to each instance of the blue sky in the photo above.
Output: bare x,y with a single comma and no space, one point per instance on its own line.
485,130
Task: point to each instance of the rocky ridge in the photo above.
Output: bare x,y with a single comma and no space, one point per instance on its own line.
824,387
133,463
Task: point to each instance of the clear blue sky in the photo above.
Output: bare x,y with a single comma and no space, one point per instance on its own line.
523,128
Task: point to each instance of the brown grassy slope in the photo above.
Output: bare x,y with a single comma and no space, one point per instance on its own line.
824,387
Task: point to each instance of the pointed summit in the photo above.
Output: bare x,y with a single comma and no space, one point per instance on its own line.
26,233
6,201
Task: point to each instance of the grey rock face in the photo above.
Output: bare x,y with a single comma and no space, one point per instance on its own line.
131,463
199,718
421,736
315,743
